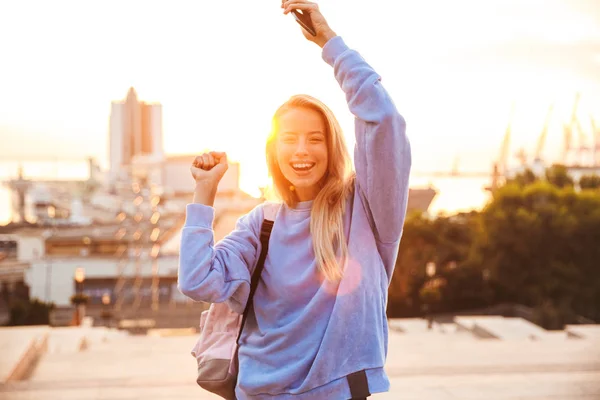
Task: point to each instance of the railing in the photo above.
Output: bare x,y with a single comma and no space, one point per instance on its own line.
24,367
61,316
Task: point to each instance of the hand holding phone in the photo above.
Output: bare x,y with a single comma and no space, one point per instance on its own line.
309,17
304,21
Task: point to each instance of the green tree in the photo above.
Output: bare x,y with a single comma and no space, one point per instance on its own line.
524,178
541,245
558,175
536,244
446,241
589,182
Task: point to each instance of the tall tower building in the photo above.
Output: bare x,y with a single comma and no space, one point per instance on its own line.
135,130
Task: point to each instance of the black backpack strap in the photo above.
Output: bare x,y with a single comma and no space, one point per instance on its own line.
265,235
359,385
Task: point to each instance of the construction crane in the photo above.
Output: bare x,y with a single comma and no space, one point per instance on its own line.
583,146
521,155
502,163
500,167
568,142
596,136
568,130
542,139
582,141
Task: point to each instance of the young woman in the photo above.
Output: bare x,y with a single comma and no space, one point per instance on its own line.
318,328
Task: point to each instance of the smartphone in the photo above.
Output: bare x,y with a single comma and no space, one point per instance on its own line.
304,21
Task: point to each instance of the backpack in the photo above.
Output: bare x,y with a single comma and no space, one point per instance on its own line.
221,328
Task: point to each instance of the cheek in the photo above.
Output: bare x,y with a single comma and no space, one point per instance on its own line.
323,161
283,156
323,156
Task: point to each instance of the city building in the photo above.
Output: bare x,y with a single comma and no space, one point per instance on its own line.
135,130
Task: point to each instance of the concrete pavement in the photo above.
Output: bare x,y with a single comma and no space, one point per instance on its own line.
426,365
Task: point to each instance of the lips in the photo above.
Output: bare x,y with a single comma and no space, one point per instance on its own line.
302,166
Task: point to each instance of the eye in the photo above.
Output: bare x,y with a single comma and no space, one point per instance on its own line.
317,139
288,139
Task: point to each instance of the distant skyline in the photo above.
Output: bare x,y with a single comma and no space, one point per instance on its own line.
135,130
220,69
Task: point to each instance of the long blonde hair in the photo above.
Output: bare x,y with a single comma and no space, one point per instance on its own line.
327,214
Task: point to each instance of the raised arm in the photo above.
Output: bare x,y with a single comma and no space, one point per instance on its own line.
382,154
216,273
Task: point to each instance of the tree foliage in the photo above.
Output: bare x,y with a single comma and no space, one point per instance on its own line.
30,312
446,241
591,182
557,175
537,243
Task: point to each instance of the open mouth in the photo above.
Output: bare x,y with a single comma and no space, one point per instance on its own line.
302,166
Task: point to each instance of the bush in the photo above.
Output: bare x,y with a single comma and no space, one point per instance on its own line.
79,298
430,295
32,312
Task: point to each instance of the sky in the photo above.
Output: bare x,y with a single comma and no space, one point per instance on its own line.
221,68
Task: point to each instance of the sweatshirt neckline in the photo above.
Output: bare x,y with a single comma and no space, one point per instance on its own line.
302,206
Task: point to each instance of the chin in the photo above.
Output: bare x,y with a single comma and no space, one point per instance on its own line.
304,182
310,183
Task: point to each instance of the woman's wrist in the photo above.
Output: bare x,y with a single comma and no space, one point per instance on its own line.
204,193
326,37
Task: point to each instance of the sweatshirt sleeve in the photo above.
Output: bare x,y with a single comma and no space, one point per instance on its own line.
217,273
382,155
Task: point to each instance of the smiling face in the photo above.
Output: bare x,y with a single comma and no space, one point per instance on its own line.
302,150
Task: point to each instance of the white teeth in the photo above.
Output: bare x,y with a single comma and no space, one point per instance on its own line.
302,165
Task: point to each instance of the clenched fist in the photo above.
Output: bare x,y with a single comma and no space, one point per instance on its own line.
207,170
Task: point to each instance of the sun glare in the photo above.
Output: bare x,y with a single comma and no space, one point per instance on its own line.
454,89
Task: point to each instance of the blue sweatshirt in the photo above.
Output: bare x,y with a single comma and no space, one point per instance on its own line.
306,334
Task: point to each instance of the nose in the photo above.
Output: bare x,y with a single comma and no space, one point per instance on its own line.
301,149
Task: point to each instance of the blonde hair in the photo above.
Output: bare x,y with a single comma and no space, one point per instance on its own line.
327,214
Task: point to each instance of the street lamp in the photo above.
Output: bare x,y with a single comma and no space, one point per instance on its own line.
79,300
428,293
430,269
486,275
79,278
106,314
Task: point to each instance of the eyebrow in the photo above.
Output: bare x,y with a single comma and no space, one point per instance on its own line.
296,133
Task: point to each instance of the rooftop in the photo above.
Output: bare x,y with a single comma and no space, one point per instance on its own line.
442,364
